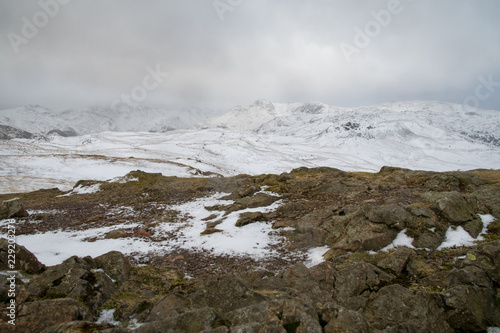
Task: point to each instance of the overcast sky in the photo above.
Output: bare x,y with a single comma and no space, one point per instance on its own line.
221,53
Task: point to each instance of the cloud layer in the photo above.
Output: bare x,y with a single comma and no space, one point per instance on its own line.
220,53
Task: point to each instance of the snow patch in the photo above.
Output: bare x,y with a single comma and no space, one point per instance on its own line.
456,237
315,256
401,240
80,189
107,316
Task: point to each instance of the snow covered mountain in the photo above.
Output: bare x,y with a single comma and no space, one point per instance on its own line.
38,120
401,121
265,137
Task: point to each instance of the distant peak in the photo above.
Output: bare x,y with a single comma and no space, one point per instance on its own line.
263,104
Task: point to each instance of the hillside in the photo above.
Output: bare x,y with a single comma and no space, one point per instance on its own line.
38,120
262,138
312,250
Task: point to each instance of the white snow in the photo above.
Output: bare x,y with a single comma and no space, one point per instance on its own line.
254,239
456,237
80,189
266,138
106,316
459,237
401,240
315,256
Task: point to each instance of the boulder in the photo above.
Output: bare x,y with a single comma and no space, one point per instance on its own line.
300,317
193,321
74,278
170,306
342,320
25,260
396,261
452,206
354,283
487,257
401,310
265,313
355,232
225,294
392,215
249,217
471,308
115,234
36,316
12,208
487,200
115,264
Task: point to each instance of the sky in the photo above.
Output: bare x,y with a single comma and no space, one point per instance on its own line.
220,53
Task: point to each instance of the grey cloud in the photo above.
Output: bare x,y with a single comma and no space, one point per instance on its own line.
283,50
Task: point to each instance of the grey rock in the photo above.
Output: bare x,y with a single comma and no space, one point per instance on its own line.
452,205
355,280
37,316
74,278
397,307
25,260
472,308
189,322
12,208
396,261
115,264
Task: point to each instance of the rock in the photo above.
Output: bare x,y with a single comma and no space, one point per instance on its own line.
258,328
168,307
209,231
265,312
74,278
469,275
429,239
36,316
25,260
473,227
396,261
77,327
9,132
115,264
452,205
355,232
392,215
142,232
189,322
342,320
488,200
398,308
115,234
471,308
353,281
486,257
225,294
249,217
12,208
300,317
258,200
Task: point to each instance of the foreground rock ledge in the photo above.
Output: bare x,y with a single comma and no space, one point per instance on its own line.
409,290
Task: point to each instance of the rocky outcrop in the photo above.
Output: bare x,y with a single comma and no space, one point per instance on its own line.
12,208
78,278
9,132
25,261
357,289
38,315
